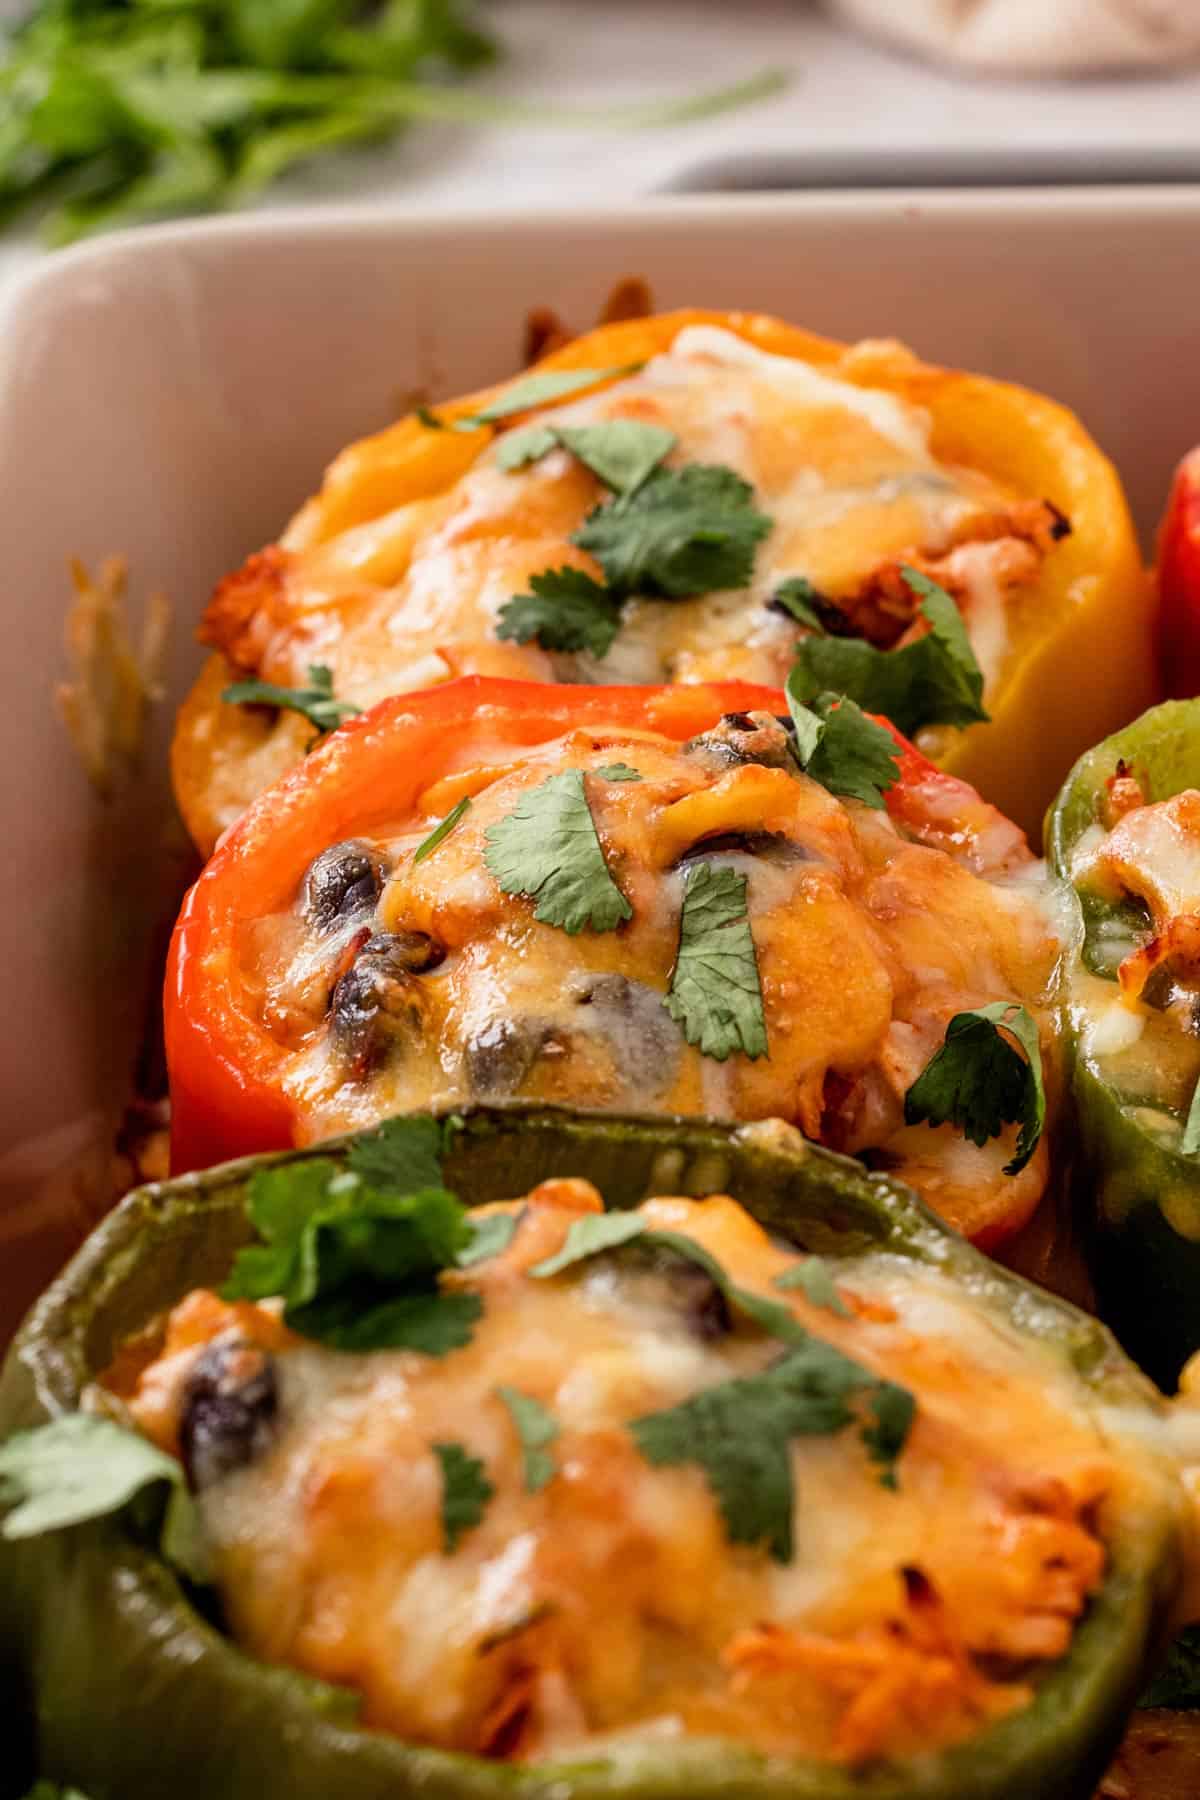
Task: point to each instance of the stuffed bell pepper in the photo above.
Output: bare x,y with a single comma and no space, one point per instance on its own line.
1125,833
406,1468
1179,583
690,498
705,900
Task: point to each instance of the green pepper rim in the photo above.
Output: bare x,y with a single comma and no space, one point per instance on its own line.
96,1597
1133,1189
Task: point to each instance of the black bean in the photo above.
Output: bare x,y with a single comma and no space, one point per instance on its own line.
1061,526
230,1409
343,883
376,1003
741,738
681,1284
639,1033
767,846
501,1053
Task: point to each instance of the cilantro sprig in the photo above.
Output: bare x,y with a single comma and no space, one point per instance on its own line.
622,453
715,994
935,680
539,389
676,533
466,1492
355,1253
537,1428
565,609
979,1082
316,702
548,850
812,1277
82,1466
837,745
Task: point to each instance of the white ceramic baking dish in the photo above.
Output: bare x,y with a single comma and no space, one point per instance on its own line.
171,395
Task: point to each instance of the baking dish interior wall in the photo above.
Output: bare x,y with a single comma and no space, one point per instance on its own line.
173,394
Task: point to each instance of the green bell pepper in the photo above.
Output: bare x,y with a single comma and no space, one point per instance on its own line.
1136,1189
128,1688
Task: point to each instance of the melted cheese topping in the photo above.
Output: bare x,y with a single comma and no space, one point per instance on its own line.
1141,1032
870,935
845,471
611,1600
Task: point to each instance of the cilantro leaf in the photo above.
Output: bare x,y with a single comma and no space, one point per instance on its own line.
797,596
892,1410
837,745
466,1491
978,1082
77,1467
740,1434
532,390
493,1234
715,993
618,771
528,444
590,1235
620,452
565,610
400,1156
683,531
315,702
442,831
536,1427
1189,1144
812,1277
355,1254
1177,1683
547,848
935,680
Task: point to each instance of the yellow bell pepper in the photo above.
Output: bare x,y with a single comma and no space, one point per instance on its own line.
353,583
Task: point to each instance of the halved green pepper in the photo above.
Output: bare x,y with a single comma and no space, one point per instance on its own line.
1137,1190
128,1689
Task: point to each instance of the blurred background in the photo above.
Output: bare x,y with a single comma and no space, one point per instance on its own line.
116,111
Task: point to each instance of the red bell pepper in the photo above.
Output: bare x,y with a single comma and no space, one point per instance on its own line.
1179,583
226,1093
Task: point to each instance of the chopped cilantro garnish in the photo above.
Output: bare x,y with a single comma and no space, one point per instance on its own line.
466,1491
841,748
536,1427
621,452
797,596
618,771
493,1234
565,610
315,702
1189,1144
817,1285
891,1409
715,993
524,395
590,1235
740,1433
978,1082
935,680
355,1254
683,531
442,831
547,848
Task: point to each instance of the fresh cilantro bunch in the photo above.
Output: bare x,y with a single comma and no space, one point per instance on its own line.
117,110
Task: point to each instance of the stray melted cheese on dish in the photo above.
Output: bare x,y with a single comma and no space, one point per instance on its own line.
845,470
610,1601
425,985
1142,864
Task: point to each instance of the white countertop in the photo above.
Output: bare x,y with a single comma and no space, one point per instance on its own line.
851,112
